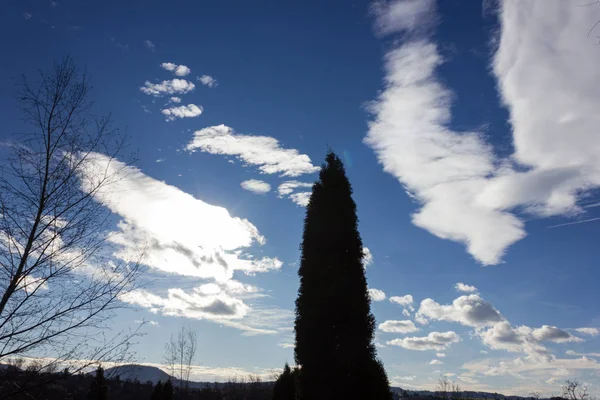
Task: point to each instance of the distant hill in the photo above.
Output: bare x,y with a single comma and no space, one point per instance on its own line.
145,373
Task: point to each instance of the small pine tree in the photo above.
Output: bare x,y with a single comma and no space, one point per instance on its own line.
285,385
334,325
167,390
98,389
157,392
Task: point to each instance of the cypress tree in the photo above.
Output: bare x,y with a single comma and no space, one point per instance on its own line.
334,325
285,385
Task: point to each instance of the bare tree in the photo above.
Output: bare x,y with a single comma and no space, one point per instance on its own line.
180,351
535,395
448,390
573,390
58,285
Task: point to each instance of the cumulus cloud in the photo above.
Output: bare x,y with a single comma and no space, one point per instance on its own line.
433,341
392,326
470,310
179,70
589,331
468,194
174,86
175,99
301,198
208,80
177,232
376,294
553,334
461,287
256,186
435,362
406,302
189,111
440,355
262,151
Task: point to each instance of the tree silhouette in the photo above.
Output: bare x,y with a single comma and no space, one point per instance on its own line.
285,386
98,389
157,392
334,325
167,390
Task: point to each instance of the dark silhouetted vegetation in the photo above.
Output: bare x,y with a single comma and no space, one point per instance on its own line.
334,324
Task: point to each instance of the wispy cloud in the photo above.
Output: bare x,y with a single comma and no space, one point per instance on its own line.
189,111
256,186
466,192
179,70
287,188
262,151
149,45
208,80
575,222
174,86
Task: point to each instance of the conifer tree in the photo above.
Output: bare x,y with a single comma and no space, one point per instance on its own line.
285,385
167,390
334,325
98,389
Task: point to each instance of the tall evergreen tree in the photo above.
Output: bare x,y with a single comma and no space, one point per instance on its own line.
285,386
334,325
98,389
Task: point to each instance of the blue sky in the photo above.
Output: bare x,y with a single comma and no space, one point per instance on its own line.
469,135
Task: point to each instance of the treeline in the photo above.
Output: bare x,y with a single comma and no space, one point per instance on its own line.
29,384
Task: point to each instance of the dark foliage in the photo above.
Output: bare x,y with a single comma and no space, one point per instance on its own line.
98,389
157,392
334,324
285,386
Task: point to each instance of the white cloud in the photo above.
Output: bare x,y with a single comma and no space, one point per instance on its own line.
149,45
574,353
435,362
406,302
461,287
179,70
469,310
301,198
553,334
262,151
174,86
433,341
376,294
175,99
467,193
391,326
367,257
189,111
440,355
208,80
589,331
177,232
256,186
398,16
288,187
